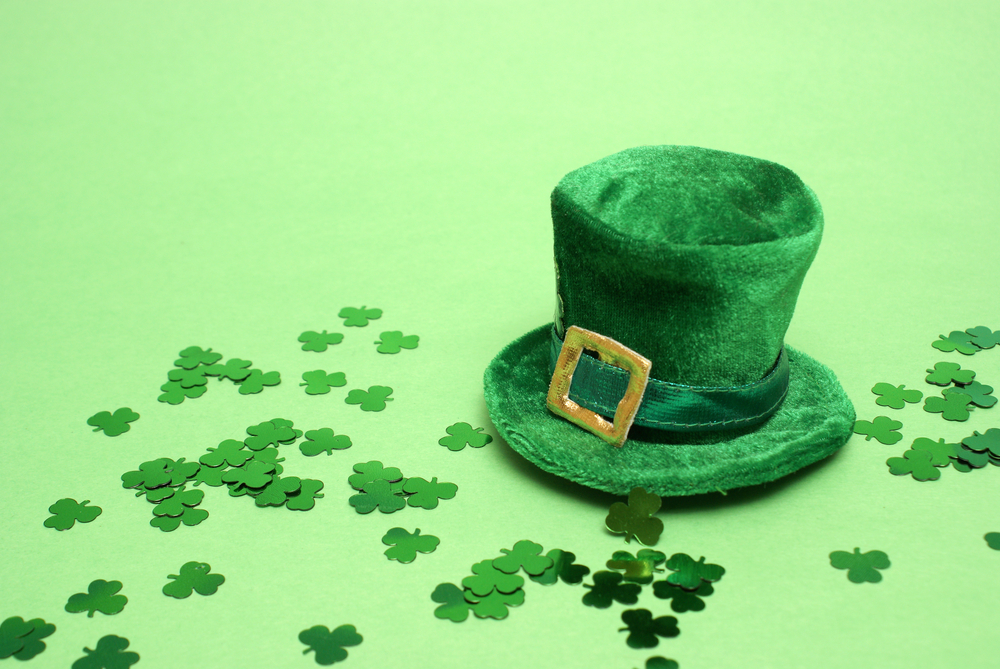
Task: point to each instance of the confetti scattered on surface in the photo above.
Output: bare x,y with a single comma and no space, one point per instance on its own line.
193,577
113,424
524,555
682,600
635,519
644,630
305,498
895,397
607,588
193,356
188,378
373,399
318,382
946,373
659,662
983,337
175,393
22,639
233,369
257,380
689,574
229,452
918,463
358,317
109,653
988,441
638,568
373,471
425,494
267,434
882,428
405,546
861,567
393,341
377,495
329,646
494,605
563,568
462,435
66,512
979,393
100,596
953,406
941,452
323,440
486,578
318,341
992,540
956,341
454,606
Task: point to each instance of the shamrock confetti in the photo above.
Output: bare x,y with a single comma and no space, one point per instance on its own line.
915,462
278,491
980,443
67,511
194,577
254,474
355,317
639,568
150,475
188,378
882,428
966,459
635,519
956,341
463,434
318,341
113,424
305,498
426,494
393,341
318,382
267,434
953,406
682,600
524,555
377,495
373,471
229,452
323,441
101,596
895,396
189,517
659,662
941,453
488,578
563,567
454,606
405,545
946,373
993,540
494,605
861,566
983,337
234,369
193,356
109,653
373,399
256,380
329,646
690,574
608,587
175,393
643,629
22,639
979,393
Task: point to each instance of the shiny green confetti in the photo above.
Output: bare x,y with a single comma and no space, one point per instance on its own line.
150,475
954,406
175,393
109,653
895,396
689,574
644,630
980,443
329,646
233,369
984,337
488,578
393,341
159,494
454,606
174,505
210,476
494,605
377,495
970,459
635,519
66,512
946,373
956,341
190,517
267,434
563,567
268,455
425,494
100,596
188,378
358,317
113,424
229,452
682,600
193,577
659,662
323,440
373,399
318,341
980,393
941,452
373,471
462,435
286,438
993,540
193,356
254,474
638,568
405,546
882,428
861,567
524,555
318,382
22,639
256,380
278,491
305,498
608,587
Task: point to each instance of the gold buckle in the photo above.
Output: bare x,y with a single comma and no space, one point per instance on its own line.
610,352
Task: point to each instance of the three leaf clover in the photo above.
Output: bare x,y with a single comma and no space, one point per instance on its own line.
233,369
318,341
638,568
373,471
323,440
426,494
895,396
682,600
635,519
175,505
306,497
524,555
373,399
267,434
405,545
454,606
358,317
644,630
254,474
882,428
100,596
946,373
563,567
608,587
487,578
329,645
861,567
980,443
193,356
495,604
318,382
393,341
953,406
956,341
175,393
67,511
229,452
983,337
188,378
190,517
690,574
109,653
377,495
979,393
113,424
278,491
256,380
22,639
462,434
941,452
193,577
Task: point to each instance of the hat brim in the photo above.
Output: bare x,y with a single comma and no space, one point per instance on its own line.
814,421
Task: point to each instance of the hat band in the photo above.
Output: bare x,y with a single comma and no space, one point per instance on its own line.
599,387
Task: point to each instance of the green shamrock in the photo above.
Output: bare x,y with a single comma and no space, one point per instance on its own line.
101,596
318,382
941,453
358,317
175,505
956,341
992,540
23,639
190,517
980,393
151,475
318,341
659,662
323,441
393,341
635,519
861,566
487,578
690,574
895,396
377,495
229,452
278,491
305,498
188,378
267,434
463,434
988,441
113,424
405,545
494,605
454,606
639,568
174,393
524,555
563,567
194,577
254,474
608,587
966,459
193,356
234,369
373,399
373,471
953,406
67,511
210,476
882,428
983,337
643,629
425,494
256,380
329,646
682,600
946,373
286,437
108,654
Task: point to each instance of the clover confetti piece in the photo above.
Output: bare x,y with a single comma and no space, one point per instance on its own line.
682,600
373,470
393,341
193,577
494,605
267,434
100,596
659,662
66,512
454,606
175,505
861,567
405,546
254,474
22,639
946,373
286,437
229,452
979,393
190,517
150,475
305,498
607,588
644,630
992,540
895,396
109,653
193,356
881,428
257,380
980,443
318,341
277,492
373,399
983,337
323,440
635,519
175,393
941,453
563,567
462,435
953,406
426,494
188,378
327,645
233,369
524,555
690,574
377,495
638,568
358,317
956,341
318,382
486,578
210,476
113,424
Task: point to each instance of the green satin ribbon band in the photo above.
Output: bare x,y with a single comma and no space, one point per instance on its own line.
599,387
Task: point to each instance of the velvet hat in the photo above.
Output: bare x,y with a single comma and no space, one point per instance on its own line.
677,272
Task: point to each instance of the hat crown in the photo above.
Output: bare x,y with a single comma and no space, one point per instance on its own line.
691,257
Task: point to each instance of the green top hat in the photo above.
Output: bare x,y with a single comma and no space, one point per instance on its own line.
677,270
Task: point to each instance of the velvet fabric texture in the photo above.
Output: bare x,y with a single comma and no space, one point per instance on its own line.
694,259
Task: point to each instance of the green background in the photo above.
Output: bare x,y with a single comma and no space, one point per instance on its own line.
230,174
